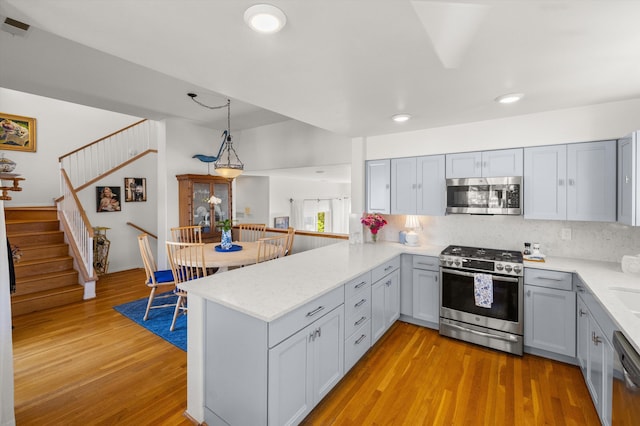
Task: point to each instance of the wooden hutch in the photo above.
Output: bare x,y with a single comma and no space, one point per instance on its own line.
194,192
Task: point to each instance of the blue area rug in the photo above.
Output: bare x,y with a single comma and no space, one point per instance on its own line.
159,320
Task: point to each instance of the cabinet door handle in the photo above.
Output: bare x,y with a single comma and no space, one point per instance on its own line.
388,283
360,339
319,332
528,293
312,336
582,313
419,186
596,339
315,311
413,186
627,179
572,182
579,288
360,321
360,285
360,303
560,182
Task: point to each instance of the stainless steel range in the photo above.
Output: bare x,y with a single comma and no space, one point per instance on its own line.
481,297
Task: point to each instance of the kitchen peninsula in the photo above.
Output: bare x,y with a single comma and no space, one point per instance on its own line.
240,320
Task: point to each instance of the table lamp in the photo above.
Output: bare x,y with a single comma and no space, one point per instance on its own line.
412,223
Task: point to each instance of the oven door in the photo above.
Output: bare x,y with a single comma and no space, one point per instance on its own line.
457,301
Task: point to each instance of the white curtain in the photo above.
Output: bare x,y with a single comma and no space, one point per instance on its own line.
7,417
297,214
340,208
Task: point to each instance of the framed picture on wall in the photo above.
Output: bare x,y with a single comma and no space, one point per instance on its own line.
135,189
108,199
281,222
17,133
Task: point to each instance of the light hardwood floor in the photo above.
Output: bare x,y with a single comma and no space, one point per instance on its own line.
86,364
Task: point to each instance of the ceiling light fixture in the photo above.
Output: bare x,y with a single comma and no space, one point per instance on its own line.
265,18
401,118
509,98
226,163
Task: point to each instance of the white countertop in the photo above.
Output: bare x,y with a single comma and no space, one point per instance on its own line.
269,290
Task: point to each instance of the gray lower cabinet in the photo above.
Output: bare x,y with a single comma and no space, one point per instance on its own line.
385,298
426,289
305,367
357,334
549,312
595,351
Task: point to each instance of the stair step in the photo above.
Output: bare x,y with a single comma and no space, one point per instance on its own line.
42,266
43,251
37,238
30,213
33,302
44,282
28,226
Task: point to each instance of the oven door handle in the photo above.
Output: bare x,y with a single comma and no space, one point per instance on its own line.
471,274
510,338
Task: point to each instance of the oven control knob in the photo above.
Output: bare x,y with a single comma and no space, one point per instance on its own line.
517,269
449,262
499,266
507,268
457,262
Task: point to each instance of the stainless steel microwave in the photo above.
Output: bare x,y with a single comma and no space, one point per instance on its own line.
491,195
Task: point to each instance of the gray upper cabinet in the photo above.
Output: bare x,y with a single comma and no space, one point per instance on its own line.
628,184
571,182
503,162
378,185
418,185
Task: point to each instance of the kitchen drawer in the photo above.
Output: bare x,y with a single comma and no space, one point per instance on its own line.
386,268
357,311
551,279
357,285
357,345
430,263
287,325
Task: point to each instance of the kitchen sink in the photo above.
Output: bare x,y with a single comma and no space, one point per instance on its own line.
630,297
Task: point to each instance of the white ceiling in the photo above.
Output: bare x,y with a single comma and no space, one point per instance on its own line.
342,65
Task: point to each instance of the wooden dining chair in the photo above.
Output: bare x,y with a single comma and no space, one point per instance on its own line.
251,231
291,232
187,264
154,277
187,234
270,248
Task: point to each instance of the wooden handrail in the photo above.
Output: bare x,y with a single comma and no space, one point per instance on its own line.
115,169
100,140
142,230
85,219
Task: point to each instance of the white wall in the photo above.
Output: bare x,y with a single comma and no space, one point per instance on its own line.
60,128
591,240
290,144
251,199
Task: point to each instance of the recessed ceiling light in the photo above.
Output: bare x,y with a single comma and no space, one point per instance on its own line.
265,18
401,118
509,98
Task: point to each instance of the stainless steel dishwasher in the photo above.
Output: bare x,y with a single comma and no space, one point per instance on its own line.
625,408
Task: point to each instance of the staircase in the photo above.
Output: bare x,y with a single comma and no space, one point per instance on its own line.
45,275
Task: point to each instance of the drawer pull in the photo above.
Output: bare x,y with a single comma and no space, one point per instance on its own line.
426,264
548,278
363,283
360,339
315,311
388,267
360,303
360,321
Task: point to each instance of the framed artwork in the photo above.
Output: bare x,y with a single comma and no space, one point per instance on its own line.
108,199
17,133
281,222
135,189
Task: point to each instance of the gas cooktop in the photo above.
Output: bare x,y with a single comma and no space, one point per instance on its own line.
511,256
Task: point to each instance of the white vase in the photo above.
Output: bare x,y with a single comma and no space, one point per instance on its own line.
225,242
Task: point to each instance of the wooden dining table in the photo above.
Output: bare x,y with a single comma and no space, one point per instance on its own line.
223,260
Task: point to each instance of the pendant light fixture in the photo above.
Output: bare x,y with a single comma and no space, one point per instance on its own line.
227,163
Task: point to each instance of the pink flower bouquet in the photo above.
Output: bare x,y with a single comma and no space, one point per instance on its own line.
374,222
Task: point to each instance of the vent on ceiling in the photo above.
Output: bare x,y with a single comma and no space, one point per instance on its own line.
15,27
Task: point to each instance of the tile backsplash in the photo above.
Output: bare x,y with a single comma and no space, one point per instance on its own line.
589,240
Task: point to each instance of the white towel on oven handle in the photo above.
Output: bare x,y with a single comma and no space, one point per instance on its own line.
483,290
